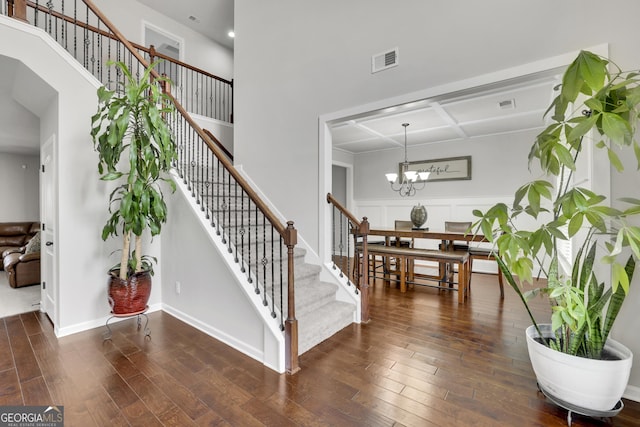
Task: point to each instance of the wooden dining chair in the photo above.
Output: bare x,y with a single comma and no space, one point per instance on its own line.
446,270
389,265
475,252
400,224
458,227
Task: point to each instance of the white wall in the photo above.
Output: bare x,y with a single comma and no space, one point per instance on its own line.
199,50
19,178
223,131
322,54
210,297
499,166
626,184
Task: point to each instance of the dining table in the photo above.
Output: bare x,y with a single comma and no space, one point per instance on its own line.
446,239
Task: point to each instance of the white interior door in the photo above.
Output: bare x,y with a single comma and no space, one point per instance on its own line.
48,219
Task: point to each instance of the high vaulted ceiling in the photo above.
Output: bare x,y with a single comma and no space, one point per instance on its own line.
22,96
502,108
212,18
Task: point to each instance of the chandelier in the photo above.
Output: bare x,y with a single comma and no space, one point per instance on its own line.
410,181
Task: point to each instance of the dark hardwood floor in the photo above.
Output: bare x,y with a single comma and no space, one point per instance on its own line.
423,360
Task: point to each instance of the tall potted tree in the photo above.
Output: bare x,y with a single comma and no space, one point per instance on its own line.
136,150
597,104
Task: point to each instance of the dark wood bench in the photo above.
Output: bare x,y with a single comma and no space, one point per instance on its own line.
405,255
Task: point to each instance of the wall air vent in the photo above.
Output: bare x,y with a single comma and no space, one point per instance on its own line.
384,60
508,104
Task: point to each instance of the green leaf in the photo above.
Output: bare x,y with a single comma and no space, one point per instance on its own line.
575,223
615,160
593,69
616,128
111,176
585,125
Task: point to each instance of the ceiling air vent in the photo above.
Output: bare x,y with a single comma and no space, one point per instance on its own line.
384,60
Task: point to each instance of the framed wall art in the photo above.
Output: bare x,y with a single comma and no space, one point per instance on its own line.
446,169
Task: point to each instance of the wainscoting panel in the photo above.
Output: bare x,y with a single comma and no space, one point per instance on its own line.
383,213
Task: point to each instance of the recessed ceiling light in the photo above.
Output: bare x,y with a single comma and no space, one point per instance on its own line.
231,34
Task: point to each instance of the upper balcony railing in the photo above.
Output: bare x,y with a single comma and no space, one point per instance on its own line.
77,30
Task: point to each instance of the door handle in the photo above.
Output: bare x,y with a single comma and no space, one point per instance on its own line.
49,244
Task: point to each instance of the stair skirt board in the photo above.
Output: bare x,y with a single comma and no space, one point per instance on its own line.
320,315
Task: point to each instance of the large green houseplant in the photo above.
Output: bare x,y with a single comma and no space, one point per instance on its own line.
597,104
136,149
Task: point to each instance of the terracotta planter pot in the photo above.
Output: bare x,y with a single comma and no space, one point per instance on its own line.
129,296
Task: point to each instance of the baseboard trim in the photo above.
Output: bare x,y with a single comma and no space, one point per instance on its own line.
242,347
632,393
92,324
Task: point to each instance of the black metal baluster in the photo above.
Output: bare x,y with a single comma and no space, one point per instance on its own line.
273,278
93,53
219,113
199,165
257,274
228,198
264,261
242,230
341,245
218,190
64,31
208,186
47,20
224,196
192,161
347,233
235,224
109,58
249,241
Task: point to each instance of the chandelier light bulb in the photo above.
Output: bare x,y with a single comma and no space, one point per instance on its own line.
407,186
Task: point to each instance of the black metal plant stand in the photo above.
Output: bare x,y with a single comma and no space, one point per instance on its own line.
147,332
571,408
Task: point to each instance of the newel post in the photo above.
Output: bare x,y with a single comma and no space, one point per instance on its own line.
364,277
152,53
17,9
291,324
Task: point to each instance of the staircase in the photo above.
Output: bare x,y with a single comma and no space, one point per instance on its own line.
233,219
237,216
319,314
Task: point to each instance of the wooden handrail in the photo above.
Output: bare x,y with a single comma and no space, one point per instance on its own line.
342,209
218,143
273,219
69,19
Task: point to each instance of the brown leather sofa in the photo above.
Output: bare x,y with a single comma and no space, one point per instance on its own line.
22,266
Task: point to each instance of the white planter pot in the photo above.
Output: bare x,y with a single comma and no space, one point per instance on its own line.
591,384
